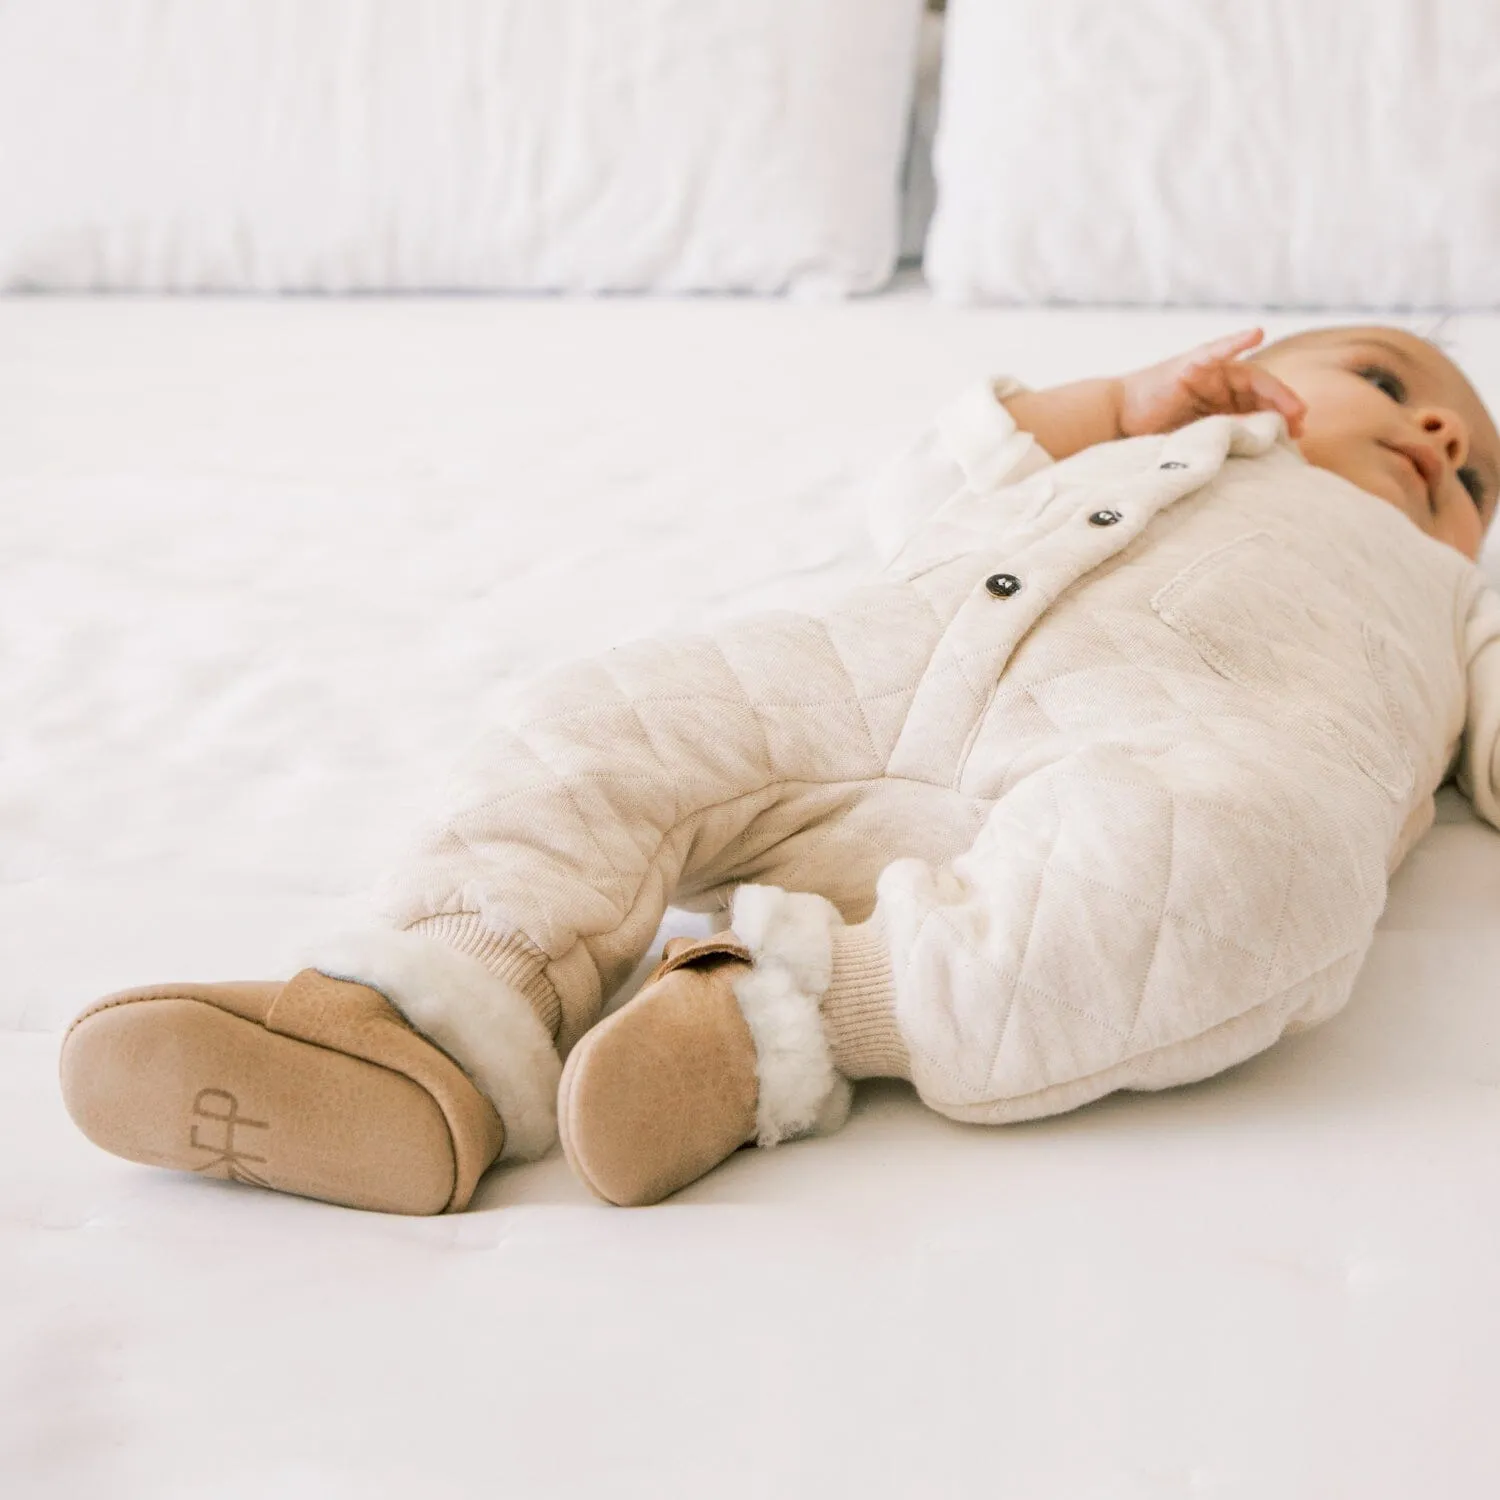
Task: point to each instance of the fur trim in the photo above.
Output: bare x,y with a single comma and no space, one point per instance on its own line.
483,1024
789,937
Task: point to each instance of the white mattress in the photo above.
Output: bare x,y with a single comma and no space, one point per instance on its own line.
264,566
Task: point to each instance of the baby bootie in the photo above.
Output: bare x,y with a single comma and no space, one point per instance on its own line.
664,1089
315,1086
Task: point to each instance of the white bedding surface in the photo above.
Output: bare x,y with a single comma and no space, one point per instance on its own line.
264,566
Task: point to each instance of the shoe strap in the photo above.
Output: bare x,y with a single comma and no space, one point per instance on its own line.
680,952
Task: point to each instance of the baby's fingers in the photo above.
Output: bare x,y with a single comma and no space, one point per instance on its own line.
1266,393
1230,345
1233,386
1207,383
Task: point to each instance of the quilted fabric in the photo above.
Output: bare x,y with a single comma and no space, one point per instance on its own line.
1291,153
1120,826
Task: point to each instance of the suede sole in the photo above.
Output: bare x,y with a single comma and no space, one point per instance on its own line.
565,1128
180,1083
664,1090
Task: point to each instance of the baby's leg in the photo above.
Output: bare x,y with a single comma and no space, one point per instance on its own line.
1121,921
1125,920
610,783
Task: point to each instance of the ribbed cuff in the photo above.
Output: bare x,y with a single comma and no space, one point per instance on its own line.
511,958
858,1008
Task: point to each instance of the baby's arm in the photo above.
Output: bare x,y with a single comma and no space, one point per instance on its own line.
1068,418
999,433
1205,381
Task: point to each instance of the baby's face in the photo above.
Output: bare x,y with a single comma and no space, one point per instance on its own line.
1372,392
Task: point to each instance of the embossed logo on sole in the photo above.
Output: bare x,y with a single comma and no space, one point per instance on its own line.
222,1112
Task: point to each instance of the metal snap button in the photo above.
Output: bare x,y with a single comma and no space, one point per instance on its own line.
1003,585
1172,463
1105,518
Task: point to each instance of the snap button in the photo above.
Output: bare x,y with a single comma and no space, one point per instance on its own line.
1172,463
1105,518
1003,585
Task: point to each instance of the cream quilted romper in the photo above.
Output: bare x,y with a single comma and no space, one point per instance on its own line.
1097,784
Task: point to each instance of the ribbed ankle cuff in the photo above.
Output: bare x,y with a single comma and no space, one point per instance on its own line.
859,1016
511,958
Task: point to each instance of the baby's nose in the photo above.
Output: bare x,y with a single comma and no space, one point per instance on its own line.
1447,428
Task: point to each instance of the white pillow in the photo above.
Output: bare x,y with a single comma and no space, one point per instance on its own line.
1304,153
588,145
919,190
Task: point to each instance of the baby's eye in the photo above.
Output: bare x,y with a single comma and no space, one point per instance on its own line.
1394,387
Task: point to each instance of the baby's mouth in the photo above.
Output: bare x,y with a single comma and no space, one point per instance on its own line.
1409,466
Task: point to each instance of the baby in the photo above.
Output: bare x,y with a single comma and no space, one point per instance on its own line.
1097,785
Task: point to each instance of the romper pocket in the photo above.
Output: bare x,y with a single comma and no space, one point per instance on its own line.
1263,617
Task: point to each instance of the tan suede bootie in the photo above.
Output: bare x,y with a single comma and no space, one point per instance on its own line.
314,1086
665,1089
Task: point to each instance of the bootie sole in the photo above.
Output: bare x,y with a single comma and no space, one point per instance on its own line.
660,1092
181,1083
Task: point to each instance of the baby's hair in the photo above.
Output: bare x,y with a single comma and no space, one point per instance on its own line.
1432,335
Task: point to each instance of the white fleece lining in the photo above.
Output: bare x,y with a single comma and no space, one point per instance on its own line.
789,937
481,1022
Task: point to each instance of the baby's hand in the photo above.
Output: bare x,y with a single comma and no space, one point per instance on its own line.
1201,383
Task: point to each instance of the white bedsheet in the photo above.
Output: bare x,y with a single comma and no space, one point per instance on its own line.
263,567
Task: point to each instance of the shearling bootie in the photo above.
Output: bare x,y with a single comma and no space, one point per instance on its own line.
315,1086
664,1089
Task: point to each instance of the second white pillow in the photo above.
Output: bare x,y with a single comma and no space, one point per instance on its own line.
1297,153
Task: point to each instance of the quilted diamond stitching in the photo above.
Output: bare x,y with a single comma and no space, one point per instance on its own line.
1274,961
635,708
746,700
1036,898
1231,813
1131,898
1160,924
1162,909
566,785
979,692
875,755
